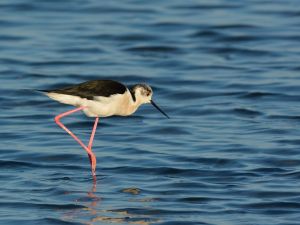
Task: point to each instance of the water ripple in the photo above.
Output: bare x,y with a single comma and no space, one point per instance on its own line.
226,72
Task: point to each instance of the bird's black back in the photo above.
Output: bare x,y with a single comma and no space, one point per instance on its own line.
93,88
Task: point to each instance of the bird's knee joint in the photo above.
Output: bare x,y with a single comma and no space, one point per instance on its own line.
57,118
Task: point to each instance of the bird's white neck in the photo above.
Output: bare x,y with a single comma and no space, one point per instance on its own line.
127,106
134,105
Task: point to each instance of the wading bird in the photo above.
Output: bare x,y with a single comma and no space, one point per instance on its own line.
101,98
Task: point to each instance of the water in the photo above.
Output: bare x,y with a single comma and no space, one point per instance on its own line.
227,73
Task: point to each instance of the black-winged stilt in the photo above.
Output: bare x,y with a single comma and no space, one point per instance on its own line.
101,98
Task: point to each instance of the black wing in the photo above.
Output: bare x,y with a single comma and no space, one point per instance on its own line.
93,88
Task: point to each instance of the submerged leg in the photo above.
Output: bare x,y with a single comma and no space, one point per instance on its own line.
87,149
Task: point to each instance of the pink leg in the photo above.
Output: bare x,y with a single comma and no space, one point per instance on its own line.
88,150
93,133
93,158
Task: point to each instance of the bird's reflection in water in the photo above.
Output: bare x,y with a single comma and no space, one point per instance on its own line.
92,214
91,198
91,194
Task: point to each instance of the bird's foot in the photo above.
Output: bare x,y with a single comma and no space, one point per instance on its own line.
93,163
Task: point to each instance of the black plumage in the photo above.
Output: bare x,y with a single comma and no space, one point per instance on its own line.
93,88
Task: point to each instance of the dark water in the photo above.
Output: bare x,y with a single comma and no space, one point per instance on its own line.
228,74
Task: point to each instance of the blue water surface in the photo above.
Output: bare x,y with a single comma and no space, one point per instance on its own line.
227,73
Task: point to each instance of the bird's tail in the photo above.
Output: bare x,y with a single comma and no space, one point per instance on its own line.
41,91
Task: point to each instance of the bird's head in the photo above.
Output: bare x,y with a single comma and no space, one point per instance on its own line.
142,93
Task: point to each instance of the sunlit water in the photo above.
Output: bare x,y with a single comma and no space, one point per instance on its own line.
227,73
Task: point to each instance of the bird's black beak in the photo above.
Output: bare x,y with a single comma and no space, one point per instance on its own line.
152,102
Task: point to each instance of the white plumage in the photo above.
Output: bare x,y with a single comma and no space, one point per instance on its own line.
117,104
